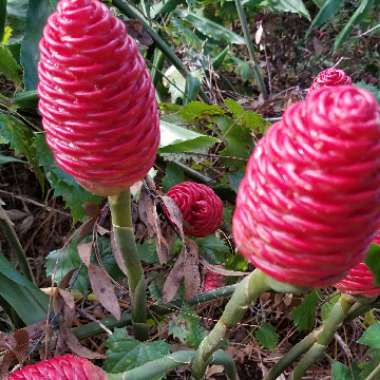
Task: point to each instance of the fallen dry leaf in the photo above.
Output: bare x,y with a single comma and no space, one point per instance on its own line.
104,289
191,268
174,278
74,345
84,252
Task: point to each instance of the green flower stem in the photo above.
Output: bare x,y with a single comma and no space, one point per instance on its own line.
251,50
160,367
375,374
122,225
359,308
245,294
338,314
292,355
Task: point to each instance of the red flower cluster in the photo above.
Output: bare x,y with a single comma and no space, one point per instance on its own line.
66,367
308,206
201,208
212,281
359,281
329,78
97,99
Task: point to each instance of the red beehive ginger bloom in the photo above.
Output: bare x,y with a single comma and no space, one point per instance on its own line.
66,367
97,99
201,208
359,281
309,204
212,281
329,78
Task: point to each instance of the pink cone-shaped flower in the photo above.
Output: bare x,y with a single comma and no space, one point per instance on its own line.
97,99
360,280
212,281
309,204
201,208
66,367
329,78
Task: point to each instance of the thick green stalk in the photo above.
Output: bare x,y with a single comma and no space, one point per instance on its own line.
251,50
245,294
6,227
375,374
94,328
292,355
338,314
122,225
160,367
359,308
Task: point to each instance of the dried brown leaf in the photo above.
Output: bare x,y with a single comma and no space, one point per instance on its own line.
174,215
174,278
191,270
220,270
74,345
104,289
68,307
149,216
84,252
118,255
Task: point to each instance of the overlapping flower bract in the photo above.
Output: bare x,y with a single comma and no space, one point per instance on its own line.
201,208
330,78
66,367
309,204
97,99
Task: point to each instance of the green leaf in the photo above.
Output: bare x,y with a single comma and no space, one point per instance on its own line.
371,337
194,110
62,261
237,262
267,336
373,262
16,18
340,372
193,86
38,12
9,66
304,314
125,352
3,16
21,139
176,139
293,6
173,175
326,13
213,249
7,159
358,15
187,328
147,252
64,185
27,300
212,29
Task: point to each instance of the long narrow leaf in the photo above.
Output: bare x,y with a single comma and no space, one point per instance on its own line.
28,301
3,16
325,14
360,12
